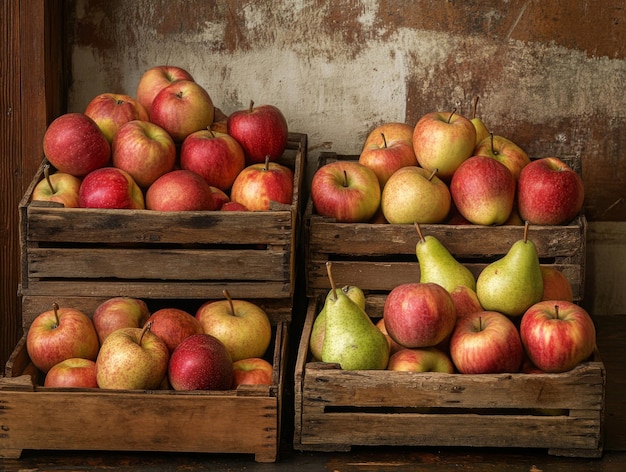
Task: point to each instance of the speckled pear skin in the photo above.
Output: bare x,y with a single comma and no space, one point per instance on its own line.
319,325
438,265
513,283
351,339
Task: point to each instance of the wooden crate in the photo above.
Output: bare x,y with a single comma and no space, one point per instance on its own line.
246,420
337,409
94,252
382,256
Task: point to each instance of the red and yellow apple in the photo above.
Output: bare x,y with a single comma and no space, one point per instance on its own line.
57,187
425,359
557,335
75,372
252,371
387,148
119,312
110,187
111,110
347,191
155,79
442,141
174,325
505,151
486,342
556,286
180,190
258,185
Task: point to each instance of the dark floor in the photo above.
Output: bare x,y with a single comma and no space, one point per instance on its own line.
611,332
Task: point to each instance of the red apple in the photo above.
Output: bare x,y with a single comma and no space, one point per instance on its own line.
347,191
549,192
483,190
419,314
155,79
119,312
242,326
557,335
555,285
258,185
443,140
393,346
144,150
486,342
59,187
74,144
110,187
132,359
111,110
415,195
233,206
505,151
182,108
180,190
262,131
465,300
59,334
426,359
219,197
201,362
74,372
387,148
252,371
174,325
217,157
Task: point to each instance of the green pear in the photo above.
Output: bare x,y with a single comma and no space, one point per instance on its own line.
351,339
438,266
319,325
481,130
513,283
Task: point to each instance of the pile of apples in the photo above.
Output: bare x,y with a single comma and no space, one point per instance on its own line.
166,149
446,169
125,346
515,316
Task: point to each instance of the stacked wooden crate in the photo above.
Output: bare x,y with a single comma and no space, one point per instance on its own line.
80,257
337,409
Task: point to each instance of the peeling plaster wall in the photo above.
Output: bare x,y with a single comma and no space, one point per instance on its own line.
549,75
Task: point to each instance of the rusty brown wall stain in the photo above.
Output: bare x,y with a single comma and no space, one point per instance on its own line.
532,62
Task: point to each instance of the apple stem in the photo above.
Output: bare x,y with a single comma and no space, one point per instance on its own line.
384,139
330,278
480,323
267,163
345,178
451,114
251,106
55,309
556,312
419,231
145,329
526,224
432,174
46,173
474,106
230,301
492,148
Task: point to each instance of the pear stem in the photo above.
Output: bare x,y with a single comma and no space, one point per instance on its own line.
331,279
384,139
451,114
251,106
46,173
145,329
432,174
230,301
475,104
419,231
526,231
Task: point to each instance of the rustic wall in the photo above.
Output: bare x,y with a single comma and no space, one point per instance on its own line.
550,74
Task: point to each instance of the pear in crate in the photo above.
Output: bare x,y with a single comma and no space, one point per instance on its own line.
513,283
438,265
351,339
319,325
